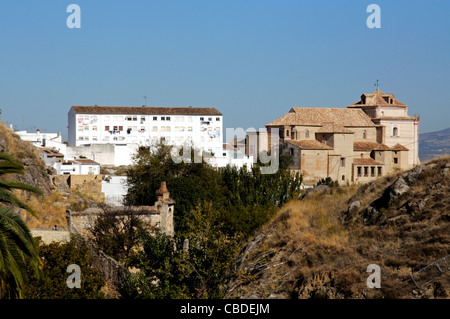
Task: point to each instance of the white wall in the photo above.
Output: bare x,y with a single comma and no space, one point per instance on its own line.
115,190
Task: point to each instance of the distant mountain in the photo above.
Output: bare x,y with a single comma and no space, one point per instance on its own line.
434,144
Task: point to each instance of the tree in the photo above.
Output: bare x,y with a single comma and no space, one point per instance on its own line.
117,236
188,183
17,247
52,284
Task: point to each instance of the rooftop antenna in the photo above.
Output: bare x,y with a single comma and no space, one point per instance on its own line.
145,100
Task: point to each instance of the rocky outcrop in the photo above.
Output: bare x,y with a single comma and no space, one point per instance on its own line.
36,173
394,193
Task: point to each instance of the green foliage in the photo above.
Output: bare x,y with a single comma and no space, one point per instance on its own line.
52,284
188,183
216,209
17,247
328,182
118,237
166,271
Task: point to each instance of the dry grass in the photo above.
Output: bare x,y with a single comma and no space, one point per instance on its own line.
315,248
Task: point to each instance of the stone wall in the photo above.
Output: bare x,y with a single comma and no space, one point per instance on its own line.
49,235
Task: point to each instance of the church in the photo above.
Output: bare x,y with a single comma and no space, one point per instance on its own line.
369,138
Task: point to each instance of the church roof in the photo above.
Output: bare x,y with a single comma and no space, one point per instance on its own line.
399,147
366,161
334,128
370,146
377,98
309,144
316,116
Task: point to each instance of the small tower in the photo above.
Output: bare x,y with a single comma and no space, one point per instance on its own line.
165,206
163,192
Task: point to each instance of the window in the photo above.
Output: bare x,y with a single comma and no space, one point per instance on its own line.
86,128
358,171
189,128
114,128
217,119
395,160
287,133
163,118
94,128
306,134
80,128
128,118
364,135
366,171
94,138
134,118
167,128
342,162
343,177
209,118
167,118
379,170
202,119
155,118
372,171
291,151
107,128
120,128
395,131
181,128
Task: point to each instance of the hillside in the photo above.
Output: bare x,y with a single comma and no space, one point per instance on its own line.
434,144
320,247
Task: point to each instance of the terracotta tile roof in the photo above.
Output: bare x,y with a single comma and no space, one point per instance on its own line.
399,147
146,110
334,128
317,116
85,161
394,118
377,98
370,146
309,144
50,152
365,161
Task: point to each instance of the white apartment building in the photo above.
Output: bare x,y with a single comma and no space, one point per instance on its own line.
120,125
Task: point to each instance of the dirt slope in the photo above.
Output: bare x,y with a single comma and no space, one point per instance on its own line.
321,246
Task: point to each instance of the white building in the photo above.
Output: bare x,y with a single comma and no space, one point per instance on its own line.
79,166
142,126
47,140
233,157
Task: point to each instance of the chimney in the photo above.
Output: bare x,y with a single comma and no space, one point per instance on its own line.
163,192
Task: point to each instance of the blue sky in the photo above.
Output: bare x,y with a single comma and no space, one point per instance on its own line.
251,59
